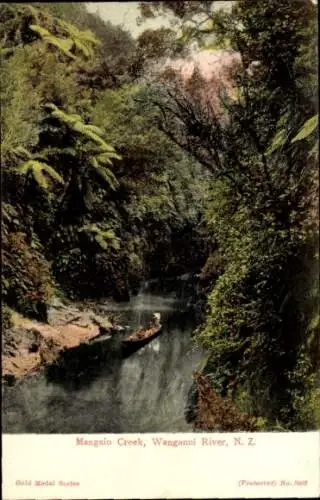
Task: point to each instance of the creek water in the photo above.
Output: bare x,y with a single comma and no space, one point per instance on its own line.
95,390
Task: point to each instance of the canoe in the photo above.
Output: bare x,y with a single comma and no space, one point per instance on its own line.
140,337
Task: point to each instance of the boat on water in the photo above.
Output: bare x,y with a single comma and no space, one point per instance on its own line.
142,336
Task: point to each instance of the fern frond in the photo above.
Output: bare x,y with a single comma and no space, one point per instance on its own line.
278,140
52,173
74,117
82,129
95,130
68,118
114,155
94,162
76,123
84,41
63,117
75,33
63,44
90,131
108,234
40,178
39,170
89,228
34,12
104,173
57,152
85,49
104,158
103,152
105,239
103,149
22,152
307,129
50,105
99,239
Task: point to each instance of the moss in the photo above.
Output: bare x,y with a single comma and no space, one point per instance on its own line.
26,279
6,315
315,406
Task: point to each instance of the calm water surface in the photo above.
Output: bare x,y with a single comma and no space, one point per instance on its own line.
94,390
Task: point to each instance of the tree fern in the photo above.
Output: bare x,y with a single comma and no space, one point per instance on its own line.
67,118
75,122
72,41
32,165
101,154
63,44
83,41
105,239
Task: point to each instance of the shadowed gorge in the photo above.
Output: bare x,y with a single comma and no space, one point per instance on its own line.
160,189
93,389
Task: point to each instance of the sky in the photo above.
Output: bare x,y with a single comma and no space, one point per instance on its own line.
126,13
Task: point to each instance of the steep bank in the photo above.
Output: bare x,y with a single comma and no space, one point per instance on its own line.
97,199
91,388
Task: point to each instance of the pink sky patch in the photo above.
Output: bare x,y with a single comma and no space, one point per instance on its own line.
216,70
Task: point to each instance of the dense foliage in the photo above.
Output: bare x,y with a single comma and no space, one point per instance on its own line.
86,197
262,318
111,176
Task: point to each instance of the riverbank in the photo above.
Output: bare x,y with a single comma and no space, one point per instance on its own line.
93,388
30,344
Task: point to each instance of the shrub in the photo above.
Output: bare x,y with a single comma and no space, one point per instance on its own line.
26,280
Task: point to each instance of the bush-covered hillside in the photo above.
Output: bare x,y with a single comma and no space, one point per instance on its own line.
117,168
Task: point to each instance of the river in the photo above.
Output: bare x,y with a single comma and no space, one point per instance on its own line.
95,390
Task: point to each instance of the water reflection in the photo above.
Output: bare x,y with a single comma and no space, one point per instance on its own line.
92,389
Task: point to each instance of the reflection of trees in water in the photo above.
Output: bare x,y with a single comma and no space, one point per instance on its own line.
153,383
81,366
92,389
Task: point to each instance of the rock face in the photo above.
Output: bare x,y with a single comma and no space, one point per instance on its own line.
30,344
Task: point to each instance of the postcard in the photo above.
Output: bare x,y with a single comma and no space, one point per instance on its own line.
160,250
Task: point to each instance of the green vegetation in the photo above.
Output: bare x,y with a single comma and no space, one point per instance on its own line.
260,326
111,177
94,192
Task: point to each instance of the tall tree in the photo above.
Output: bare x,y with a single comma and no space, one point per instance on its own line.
257,327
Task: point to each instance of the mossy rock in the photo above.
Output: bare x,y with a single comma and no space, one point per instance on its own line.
6,318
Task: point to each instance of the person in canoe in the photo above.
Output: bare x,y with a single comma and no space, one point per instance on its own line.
146,332
155,320
154,324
